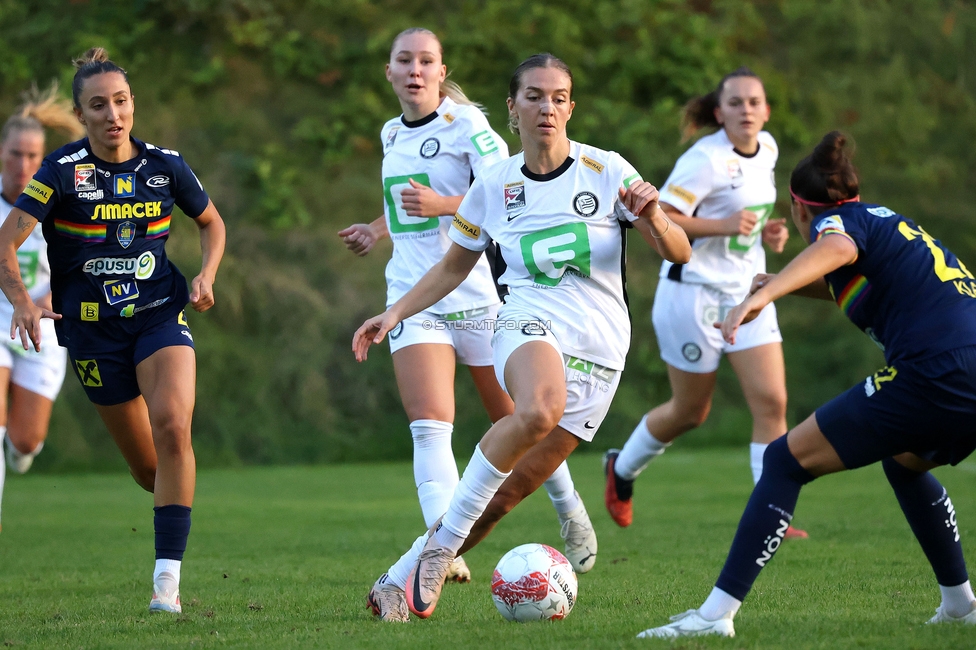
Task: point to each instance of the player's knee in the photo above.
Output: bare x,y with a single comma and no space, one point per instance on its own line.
896,473
540,416
779,461
171,433
145,477
691,415
770,405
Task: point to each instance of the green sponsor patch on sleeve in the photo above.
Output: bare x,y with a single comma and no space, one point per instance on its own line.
484,143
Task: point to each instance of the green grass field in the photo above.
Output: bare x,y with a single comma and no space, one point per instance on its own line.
283,557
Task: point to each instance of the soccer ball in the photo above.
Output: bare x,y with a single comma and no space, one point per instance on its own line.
534,582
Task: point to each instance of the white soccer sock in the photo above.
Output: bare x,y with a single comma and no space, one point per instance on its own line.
756,451
959,600
718,604
401,568
639,450
478,485
434,468
171,566
561,491
3,461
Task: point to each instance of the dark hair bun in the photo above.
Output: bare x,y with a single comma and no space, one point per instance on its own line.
827,175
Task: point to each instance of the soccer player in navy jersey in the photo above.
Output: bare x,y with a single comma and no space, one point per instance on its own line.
104,204
917,301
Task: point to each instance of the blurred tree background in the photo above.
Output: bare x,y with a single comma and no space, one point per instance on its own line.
277,105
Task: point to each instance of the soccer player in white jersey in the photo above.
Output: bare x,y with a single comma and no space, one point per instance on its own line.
558,213
721,191
29,380
430,155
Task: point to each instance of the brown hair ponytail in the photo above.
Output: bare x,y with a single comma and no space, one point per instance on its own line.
827,176
699,113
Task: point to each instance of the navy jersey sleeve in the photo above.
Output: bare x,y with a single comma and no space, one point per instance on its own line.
188,191
850,226
42,193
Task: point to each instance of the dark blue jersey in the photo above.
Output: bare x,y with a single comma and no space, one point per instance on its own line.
106,226
905,289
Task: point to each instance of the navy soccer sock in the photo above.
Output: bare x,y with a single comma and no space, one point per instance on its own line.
172,524
931,515
765,520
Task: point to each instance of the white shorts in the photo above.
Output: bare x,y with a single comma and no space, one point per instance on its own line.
589,387
39,372
684,315
468,332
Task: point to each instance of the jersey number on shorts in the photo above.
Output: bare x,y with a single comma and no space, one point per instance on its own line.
742,243
548,253
400,221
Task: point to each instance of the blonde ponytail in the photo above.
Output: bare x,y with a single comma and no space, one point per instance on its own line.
41,110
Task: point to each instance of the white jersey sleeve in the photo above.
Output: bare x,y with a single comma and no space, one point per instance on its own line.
628,175
467,230
690,182
483,146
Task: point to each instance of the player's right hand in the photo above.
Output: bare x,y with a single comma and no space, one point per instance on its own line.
359,238
26,323
741,223
372,331
760,281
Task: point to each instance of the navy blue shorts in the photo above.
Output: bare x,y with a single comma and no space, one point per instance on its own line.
925,407
105,354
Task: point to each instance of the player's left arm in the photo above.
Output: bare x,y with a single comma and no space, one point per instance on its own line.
213,238
827,254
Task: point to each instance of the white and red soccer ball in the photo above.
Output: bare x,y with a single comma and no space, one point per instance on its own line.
534,582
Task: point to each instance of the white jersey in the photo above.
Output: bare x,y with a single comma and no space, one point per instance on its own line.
713,181
34,267
444,151
561,236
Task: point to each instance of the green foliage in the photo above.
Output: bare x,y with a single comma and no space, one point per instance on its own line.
277,106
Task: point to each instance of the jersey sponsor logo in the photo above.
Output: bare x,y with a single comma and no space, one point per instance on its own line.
141,267
117,291
448,117
630,180
396,331
87,370
484,143
89,311
586,204
138,210
734,169
29,262
85,178
549,253
400,221
466,228
681,193
158,181
534,328
882,212
391,137
131,310
691,352
126,233
38,190
744,243
514,197
430,147
773,542
592,164
124,186
97,195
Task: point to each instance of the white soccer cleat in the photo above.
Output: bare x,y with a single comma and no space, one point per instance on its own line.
18,461
690,623
577,531
459,571
942,617
166,594
388,601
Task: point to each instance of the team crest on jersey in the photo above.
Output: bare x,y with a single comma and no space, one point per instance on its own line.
882,212
124,186
391,137
586,204
85,178
117,291
514,196
735,169
126,233
430,147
